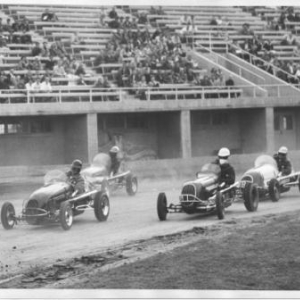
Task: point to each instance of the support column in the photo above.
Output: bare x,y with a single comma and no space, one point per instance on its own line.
185,134
92,135
270,136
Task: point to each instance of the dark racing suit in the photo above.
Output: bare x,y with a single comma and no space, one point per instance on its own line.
227,173
283,164
115,164
76,181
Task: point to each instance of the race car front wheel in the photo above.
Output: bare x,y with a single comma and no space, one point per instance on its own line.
220,206
7,215
251,197
274,190
131,185
101,206
162,206
66,215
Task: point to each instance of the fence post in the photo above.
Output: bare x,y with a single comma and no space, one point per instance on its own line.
59,96
278,91
90,94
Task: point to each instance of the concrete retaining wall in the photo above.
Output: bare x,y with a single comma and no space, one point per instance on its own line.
166,168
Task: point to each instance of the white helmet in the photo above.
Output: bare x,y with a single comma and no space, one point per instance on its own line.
114,149
283,150
224,152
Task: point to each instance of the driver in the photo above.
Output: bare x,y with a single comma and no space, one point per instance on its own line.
283,163
75,177
114,153
227,176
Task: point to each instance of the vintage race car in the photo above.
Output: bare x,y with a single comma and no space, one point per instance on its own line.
99,173
56,202
269,181
204,194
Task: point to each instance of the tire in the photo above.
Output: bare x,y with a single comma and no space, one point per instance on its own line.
299,182
101,206
251,197
162,207
7,214
131,185
66,215
274,190
220,206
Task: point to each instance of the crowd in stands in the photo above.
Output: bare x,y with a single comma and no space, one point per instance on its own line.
152,59
148,56
16,32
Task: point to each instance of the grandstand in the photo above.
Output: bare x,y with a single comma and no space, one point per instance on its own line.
163,83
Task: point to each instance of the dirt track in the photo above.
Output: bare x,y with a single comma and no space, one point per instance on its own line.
131,218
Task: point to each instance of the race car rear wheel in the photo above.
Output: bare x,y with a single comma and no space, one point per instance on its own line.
7,215
220,206
66,215
101,206
274,190
251,197
131,185
162,206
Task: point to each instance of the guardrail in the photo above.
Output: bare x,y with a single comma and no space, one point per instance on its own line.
168,92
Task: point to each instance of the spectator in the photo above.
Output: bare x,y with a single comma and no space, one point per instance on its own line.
24,25
76,40
114,23
281,21
142,88
58,70
72,77
46,85
80,69
15,25
36,86
45,50
230,83
36,50
29,85
48,16
291,17
289,39
25,38
246,30
7,26
102,17
24,64
297,17
113,14
36,64
50,63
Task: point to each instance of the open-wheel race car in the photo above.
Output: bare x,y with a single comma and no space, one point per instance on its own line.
205,194
100,173
269,180
57,202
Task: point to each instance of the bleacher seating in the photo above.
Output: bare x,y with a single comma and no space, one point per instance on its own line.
84,23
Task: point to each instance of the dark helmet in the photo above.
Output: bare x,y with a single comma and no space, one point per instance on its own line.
76,165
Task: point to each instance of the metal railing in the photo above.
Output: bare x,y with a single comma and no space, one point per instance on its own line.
164,92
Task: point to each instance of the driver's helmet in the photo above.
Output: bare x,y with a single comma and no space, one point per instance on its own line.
283,151
76,165
224,153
